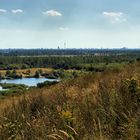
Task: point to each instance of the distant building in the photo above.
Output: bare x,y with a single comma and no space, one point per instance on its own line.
124,48
101,54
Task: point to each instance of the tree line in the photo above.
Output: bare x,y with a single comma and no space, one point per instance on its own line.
38,52
65,62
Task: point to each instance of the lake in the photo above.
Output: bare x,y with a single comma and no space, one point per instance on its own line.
27,81
1,89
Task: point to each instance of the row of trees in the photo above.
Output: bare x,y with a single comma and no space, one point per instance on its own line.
13,74
34,52
65,62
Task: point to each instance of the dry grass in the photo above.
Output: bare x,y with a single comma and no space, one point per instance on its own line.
91,107
32,70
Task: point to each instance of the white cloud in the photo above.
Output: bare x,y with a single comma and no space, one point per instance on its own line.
115,17
52,13
63,29
17,11
3,11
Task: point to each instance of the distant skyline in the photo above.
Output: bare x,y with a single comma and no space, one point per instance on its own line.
69,24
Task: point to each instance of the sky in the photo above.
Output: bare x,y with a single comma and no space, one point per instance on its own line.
69,23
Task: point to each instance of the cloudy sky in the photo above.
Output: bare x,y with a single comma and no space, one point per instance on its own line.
79,23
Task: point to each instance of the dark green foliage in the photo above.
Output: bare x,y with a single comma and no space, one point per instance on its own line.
42,52
12,89
69,61
12,74
46,83
37,74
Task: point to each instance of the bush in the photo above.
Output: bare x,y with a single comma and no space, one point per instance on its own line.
46,83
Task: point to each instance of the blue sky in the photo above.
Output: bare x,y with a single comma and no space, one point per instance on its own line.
79,23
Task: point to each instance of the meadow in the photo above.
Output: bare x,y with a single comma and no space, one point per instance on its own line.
92,106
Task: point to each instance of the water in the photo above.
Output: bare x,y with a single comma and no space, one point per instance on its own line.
27,81
1,89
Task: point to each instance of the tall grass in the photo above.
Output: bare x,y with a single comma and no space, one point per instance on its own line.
102,106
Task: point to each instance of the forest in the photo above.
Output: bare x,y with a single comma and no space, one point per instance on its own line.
40,52
68,59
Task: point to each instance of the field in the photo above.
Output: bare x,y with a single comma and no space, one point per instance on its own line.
93,106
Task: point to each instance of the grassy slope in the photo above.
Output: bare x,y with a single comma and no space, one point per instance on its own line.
101,106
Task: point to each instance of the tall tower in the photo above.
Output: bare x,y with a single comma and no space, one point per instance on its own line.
58,48
65,45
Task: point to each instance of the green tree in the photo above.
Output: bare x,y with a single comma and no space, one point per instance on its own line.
37,74
8,72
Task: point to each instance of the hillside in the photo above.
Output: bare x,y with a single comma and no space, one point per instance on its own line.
96,106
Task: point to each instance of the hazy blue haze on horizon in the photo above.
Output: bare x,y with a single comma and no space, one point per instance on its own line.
79,23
